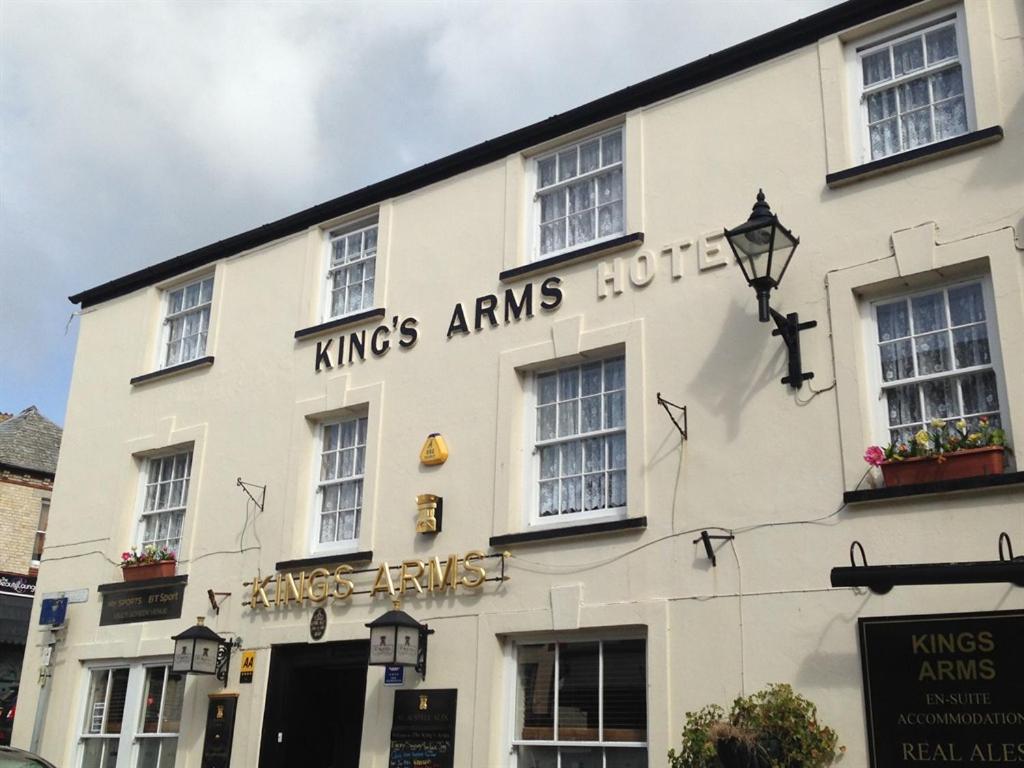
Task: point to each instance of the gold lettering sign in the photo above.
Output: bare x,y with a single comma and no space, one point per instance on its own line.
413,576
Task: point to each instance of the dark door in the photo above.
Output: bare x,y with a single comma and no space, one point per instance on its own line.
314,710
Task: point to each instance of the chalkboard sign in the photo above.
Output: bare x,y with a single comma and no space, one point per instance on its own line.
944,689
423,729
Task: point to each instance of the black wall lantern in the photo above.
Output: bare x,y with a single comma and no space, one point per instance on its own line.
201,651
397,639
763,248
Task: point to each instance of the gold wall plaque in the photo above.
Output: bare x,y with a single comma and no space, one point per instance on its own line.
435,450
429,508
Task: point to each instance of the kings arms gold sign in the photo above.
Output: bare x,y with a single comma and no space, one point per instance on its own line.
320,585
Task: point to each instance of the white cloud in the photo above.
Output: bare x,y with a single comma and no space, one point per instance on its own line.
133,132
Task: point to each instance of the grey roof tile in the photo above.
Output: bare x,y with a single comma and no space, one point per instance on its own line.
30,441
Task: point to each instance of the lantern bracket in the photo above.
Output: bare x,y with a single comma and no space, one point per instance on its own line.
789,328
421,652
224,658
706,538
665,404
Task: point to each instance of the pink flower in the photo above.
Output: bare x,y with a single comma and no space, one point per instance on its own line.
874,456
125,556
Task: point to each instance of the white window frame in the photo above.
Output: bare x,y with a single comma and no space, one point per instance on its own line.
340,233
320,486
189,453
169,317
129,738
880,431
858,49
533,445
533,185
587,636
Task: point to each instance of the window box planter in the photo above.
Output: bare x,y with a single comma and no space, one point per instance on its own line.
971,462
149,571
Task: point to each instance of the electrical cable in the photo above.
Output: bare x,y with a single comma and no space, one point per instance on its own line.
814,393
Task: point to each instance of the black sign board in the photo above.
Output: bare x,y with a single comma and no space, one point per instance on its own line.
944,689
128,604
220,730
423,729
17,584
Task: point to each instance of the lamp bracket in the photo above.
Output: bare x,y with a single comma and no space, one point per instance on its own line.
214,602
706,538
245,489
789,328
224,658
665,404
421,652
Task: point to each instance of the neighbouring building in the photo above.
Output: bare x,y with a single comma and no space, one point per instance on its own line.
463,388
29,445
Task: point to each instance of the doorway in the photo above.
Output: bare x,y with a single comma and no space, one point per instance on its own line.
314,708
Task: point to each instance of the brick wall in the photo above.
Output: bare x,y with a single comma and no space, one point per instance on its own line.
20,499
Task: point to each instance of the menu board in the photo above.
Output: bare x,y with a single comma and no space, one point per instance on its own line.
944,689
423,729
220,731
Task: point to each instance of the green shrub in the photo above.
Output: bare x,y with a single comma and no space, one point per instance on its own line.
780,725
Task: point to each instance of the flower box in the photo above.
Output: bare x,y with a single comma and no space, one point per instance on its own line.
970,462
156,570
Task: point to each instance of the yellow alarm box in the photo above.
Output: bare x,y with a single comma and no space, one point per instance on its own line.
435,450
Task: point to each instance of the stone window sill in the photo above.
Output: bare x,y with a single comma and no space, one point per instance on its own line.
174,370
322,560
569,257
563,532
914,156
979,483
341,322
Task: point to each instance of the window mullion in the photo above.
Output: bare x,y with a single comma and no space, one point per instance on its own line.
566,183
163,703
558,655
600,694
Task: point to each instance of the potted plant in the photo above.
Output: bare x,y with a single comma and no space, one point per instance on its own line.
942,451
773,728
152,562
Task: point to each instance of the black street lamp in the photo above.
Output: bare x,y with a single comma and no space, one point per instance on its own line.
397,639
763,248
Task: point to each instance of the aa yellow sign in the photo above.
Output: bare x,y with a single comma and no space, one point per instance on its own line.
248,666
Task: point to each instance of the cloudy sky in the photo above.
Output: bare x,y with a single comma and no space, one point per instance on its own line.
131,132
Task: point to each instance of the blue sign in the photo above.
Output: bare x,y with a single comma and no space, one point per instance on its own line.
394,674
53,611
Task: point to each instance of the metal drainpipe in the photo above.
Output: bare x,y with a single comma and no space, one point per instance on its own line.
45,673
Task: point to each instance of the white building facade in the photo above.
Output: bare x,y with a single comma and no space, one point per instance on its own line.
260,406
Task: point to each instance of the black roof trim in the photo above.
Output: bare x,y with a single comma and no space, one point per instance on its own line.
687,77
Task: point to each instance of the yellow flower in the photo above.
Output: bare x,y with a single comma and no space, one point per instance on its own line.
961,425
974,437
937,423
922,438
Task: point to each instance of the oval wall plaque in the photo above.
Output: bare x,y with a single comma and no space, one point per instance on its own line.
318,623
